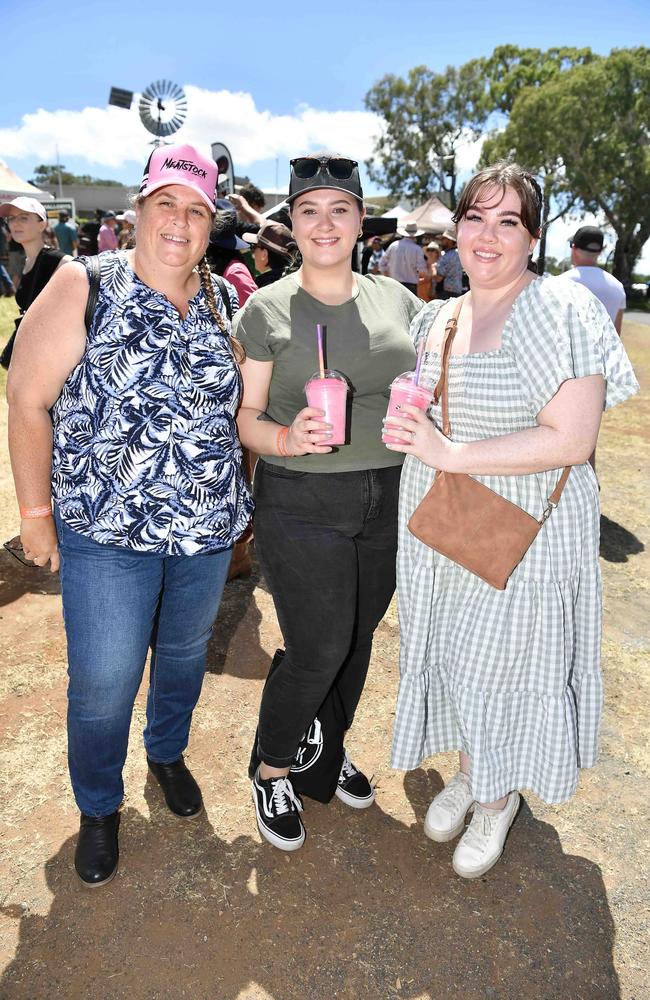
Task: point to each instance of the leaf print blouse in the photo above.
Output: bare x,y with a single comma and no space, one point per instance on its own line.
146,453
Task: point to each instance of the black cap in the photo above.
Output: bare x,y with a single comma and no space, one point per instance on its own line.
225,225
323,179
589,238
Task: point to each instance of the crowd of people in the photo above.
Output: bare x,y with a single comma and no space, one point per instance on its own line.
145,373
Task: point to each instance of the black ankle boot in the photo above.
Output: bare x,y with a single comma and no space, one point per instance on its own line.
182,794
97,852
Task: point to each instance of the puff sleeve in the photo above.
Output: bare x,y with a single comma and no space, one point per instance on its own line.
559,331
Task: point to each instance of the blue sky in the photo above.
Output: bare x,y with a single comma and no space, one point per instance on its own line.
269,79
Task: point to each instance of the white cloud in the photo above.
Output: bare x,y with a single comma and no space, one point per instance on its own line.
112,137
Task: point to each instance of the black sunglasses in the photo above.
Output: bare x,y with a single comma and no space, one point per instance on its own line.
337,167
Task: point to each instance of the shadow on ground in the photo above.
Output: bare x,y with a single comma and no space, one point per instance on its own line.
616,542
193,915
16,579
239,603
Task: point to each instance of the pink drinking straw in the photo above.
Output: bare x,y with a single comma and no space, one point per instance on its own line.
319,336
418,363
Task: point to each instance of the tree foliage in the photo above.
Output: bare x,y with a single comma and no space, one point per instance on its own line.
426,117
578,119
589,128
509,70
48,174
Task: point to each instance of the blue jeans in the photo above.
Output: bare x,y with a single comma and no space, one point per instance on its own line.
116,604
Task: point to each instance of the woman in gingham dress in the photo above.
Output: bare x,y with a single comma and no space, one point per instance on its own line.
510,678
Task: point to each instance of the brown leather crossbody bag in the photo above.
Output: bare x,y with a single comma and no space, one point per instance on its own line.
468,522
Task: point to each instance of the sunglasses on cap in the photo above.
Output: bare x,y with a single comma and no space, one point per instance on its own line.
337,167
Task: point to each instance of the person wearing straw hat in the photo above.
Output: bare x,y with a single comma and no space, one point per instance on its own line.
129,427
326,517
448,272
404,259
273,248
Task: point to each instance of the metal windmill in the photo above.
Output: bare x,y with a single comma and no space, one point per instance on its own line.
163,109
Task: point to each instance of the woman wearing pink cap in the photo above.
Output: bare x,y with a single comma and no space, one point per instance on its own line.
142,460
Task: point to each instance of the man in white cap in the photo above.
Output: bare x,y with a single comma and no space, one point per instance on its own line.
586,247
448,272
404,259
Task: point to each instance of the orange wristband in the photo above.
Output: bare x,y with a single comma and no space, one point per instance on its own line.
282,442
31,513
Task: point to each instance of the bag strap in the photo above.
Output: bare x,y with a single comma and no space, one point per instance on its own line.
441,391
224,295
554,498
94,281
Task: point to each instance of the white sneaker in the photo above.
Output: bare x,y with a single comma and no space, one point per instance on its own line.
445,816
481,845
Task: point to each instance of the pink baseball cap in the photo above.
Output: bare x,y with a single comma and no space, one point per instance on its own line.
24,205
181,165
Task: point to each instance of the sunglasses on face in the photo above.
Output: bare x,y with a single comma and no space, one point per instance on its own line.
337,167
20,219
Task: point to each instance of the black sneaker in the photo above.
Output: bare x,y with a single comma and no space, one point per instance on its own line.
278,811
353,787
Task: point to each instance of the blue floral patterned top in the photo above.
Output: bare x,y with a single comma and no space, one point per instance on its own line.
146,453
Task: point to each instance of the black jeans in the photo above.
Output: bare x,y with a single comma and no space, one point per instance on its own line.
327,544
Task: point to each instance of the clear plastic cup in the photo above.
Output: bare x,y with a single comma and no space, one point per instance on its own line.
330,394
404,390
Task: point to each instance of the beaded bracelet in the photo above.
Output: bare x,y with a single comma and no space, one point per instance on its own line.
282,442
31,513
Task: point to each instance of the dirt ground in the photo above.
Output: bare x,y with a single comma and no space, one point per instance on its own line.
369,909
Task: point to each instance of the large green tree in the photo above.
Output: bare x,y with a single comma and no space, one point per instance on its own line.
589,128
426,118
510,71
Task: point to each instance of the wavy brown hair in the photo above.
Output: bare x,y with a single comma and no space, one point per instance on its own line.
505,175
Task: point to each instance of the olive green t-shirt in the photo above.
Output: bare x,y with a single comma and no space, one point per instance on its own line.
367,340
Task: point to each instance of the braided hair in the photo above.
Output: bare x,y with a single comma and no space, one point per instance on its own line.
205,275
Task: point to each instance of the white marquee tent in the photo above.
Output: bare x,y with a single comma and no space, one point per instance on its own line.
11,186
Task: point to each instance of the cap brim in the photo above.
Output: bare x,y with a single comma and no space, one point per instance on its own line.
250,238
6,208
184,183
324,187
228,242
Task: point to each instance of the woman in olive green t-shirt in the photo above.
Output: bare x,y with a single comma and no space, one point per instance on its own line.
325,518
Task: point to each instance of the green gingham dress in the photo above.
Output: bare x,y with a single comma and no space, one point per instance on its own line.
511,677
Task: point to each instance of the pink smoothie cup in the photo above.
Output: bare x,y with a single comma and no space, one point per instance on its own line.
404,390
330,394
